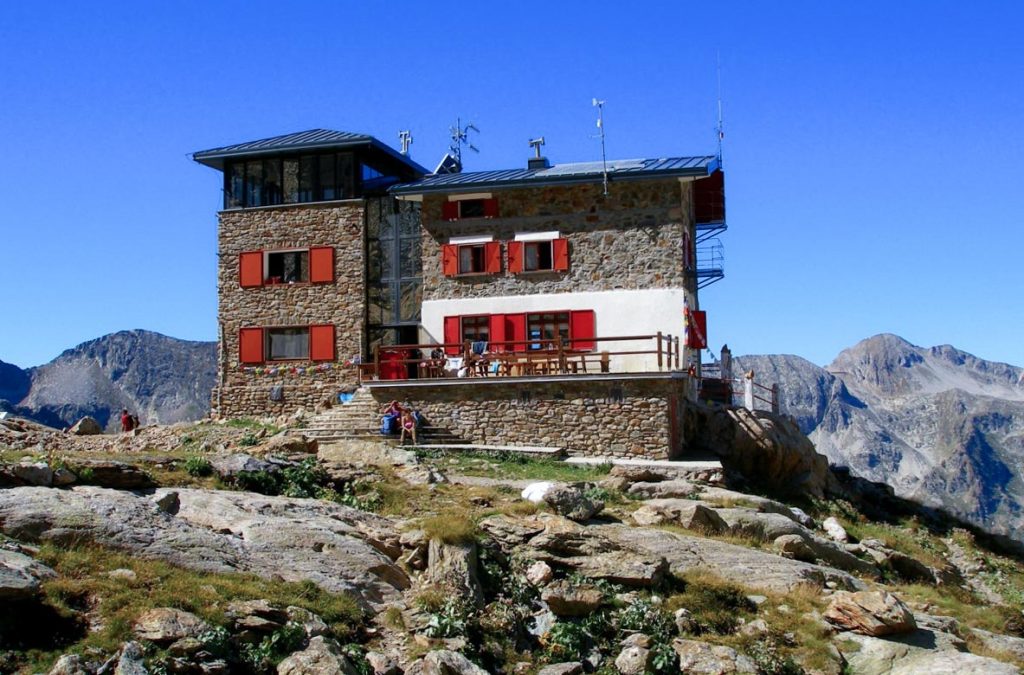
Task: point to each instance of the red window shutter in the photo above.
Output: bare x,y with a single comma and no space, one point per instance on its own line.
490,208
450,211
560,254
581,329
449,259
321,342
250,269
250,345
452,334
497,330
492,257
515,257
698,333
515,329
321,265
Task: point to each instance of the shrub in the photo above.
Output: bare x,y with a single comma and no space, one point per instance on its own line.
450,528
264,482
198,467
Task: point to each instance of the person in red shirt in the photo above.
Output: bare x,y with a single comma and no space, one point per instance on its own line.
126,421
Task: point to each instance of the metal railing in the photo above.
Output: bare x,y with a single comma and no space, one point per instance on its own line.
519,358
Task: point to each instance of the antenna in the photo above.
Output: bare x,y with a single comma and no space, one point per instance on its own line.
720,131
460,137
405,138
600,125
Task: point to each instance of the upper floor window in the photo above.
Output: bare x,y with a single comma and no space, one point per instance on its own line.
475,207
287,267
289,180
538,252
470,255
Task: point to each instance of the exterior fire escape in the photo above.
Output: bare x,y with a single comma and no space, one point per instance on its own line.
709,214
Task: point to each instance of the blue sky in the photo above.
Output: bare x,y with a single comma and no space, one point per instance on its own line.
873,150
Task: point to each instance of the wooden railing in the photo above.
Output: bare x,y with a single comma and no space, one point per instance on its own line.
505,358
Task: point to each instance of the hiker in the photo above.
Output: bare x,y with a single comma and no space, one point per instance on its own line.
126,421
408,426
390,418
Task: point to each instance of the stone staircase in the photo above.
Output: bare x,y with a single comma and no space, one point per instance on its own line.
360,418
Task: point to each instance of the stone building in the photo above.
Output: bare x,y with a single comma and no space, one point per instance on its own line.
334,249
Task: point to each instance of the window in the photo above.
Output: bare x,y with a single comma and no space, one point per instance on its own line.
471,259
289,180
542,252
476,328
548,327
287,267
266,268
287,344
483,207
537,256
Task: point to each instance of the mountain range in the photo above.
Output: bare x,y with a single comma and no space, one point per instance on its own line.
941,426
159,378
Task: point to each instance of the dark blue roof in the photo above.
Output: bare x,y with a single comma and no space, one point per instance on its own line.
314,139
580,172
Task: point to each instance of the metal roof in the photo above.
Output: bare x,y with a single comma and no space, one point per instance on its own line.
314,139
580,172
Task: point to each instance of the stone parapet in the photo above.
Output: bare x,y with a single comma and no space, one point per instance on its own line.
624,417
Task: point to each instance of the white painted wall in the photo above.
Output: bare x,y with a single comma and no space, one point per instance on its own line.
616,313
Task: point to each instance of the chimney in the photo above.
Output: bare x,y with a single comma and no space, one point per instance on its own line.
537,162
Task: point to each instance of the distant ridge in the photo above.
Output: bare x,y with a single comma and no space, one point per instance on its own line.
159,378
940,425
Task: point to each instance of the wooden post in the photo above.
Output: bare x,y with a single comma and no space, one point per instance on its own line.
677,352
376,361
775,398
659,350
562,366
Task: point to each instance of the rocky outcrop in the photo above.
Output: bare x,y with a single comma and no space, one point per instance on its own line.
872,613
334,546
701,657
323,656
20,575
165,625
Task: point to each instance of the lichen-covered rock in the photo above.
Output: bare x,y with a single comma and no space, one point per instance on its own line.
20,576
572,502
566,599
130,662
633,660
86,426
446,662
323,656
165,625
539,573
700,658
871,613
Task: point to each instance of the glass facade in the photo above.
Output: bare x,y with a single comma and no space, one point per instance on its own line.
290,180
394,274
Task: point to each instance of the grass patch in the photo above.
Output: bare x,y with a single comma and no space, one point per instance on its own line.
515,466
964,606
249,423
84,586
450,528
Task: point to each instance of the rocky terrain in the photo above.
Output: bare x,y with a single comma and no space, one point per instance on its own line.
247,547
161,379
939,425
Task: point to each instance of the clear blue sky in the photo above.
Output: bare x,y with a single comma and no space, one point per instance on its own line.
873,151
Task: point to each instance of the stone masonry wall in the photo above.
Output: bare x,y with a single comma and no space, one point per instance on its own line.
628,418
244,392
631,239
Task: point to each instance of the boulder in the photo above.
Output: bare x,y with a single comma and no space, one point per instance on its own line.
229,466
693,515
759,570
454,566
69,664
835,530
871,613
679,489
62,477
568,668
130,661
382,664
252,620
20,576
333,546
310,622
165,625
539,573
446,662
566,599
323,656
641,474
731,498
86,426
510,532
993,642
111,474
33,473
572,502
921,651
953,663
633,660
701,658
287,444
794,546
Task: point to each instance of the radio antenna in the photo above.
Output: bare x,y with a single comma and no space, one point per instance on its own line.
600,125
460,137
719,130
